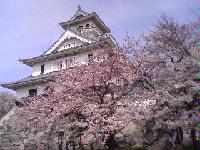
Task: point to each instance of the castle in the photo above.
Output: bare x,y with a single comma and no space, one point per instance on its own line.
82,34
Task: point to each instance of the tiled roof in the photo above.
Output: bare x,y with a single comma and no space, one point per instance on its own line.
31,80
94,16
72,51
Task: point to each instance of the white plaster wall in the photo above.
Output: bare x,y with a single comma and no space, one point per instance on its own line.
51,66
91,23
24,92
79,59
48,67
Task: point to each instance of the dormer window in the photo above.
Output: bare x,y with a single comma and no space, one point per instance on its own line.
80,28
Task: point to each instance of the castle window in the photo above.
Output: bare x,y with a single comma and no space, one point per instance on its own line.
32,92
66,63
42,69
87,26
59,64
90,55
65,46
80,28
71,61
118,81
101,80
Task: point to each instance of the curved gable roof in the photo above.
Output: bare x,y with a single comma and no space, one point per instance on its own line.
81,16
67,35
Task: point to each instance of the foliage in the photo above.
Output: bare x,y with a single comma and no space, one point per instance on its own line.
89,95
178,97
149,80
7,102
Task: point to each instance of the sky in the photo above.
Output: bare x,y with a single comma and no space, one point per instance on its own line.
30,27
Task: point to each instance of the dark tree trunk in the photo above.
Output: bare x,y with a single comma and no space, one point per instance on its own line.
111,142
91,146
193,136
66,145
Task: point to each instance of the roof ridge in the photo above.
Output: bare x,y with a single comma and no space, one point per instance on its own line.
79,12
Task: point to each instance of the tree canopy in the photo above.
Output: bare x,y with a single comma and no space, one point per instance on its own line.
148,80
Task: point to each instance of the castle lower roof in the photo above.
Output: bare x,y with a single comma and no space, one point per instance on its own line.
31,80
68,52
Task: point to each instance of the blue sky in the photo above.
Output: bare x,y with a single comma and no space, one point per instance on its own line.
30,27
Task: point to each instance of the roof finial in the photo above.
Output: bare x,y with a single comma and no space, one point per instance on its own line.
79,8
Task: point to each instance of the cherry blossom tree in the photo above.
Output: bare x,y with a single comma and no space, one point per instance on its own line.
7,102
196,54
177,84
93,98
